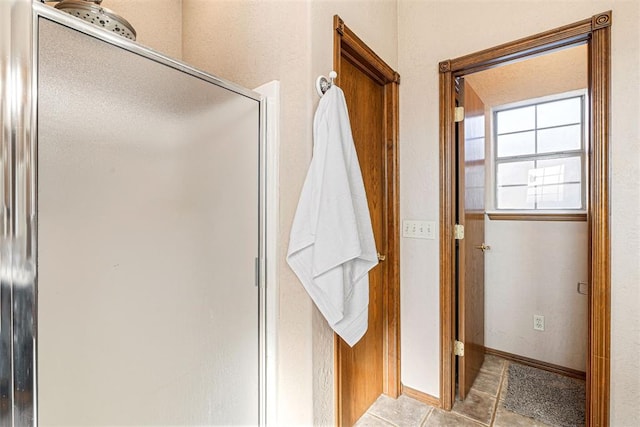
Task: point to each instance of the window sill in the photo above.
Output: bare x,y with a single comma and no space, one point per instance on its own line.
537,216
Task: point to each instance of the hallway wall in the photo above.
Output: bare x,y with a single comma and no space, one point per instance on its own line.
532,268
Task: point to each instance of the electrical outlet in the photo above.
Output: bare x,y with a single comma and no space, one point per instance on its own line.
538,322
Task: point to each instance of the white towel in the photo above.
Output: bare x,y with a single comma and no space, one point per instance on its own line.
331,247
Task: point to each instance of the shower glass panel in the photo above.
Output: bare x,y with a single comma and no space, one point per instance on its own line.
148,232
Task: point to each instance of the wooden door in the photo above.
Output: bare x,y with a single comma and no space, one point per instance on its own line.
471,203
371,367
362,366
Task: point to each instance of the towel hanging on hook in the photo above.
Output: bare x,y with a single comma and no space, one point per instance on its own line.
331,245
323,84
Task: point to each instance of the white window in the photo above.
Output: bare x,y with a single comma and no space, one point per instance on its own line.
539,155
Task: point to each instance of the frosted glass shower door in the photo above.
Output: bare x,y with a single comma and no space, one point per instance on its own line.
148,232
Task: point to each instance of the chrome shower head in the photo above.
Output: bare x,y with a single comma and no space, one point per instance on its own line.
91,11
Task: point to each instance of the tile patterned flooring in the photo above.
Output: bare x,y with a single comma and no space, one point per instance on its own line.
484,406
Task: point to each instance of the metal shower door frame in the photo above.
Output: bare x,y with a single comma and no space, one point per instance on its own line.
17,216
18,199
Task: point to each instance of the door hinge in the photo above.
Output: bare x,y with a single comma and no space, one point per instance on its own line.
458,114
458,231
458,348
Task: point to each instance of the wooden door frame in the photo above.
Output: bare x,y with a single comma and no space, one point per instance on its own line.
347,44
596,32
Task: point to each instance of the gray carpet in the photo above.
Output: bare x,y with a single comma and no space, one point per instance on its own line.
551,398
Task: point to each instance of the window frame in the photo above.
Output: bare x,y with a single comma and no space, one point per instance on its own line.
524,213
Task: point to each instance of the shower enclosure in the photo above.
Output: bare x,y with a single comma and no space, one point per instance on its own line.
132,227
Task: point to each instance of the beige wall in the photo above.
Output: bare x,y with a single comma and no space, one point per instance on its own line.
158,23
250,43
532,268
432,31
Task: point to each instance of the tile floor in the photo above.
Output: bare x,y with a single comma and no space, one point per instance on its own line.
482,407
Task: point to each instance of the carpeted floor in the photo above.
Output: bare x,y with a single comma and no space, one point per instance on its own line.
551,398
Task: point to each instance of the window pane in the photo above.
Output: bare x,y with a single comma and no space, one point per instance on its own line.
515,120
559,139
516,144
474,186
474,126
514,198
560,112
514,173
473,149
571,169
552,174
474,176
474,199
540,136
562,196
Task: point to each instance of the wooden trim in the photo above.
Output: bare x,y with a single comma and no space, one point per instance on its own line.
601,20
337,383
505,216
596,31
447,242
392,385
354,46
550,40
598,369
528,46
348,45
420,396
545,366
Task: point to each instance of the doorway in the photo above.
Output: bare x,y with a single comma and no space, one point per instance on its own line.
371,367
522,200
595,32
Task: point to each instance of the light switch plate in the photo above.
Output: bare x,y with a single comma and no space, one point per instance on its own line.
419,229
